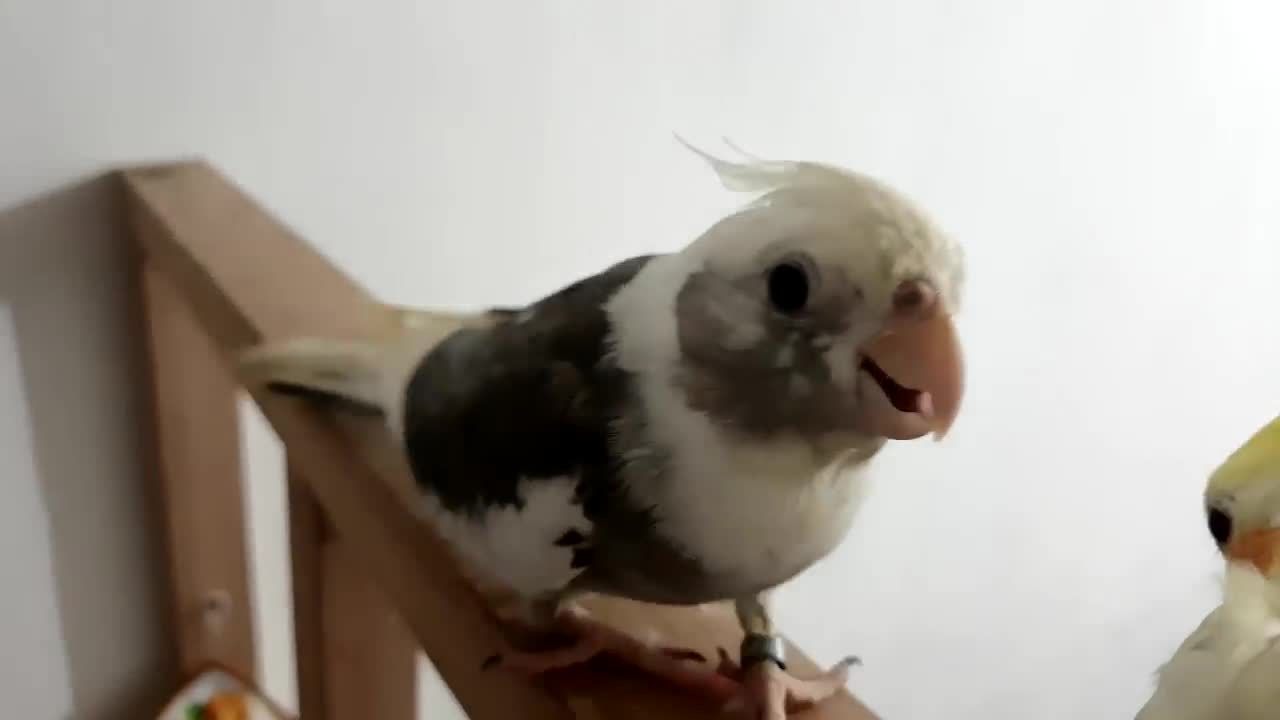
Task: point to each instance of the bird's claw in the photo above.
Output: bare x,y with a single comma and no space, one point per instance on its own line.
683,667
684,654
536,662
764,691
769,693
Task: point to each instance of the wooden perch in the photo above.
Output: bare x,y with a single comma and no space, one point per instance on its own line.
246,278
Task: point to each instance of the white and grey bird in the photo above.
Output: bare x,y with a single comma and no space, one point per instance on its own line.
680,428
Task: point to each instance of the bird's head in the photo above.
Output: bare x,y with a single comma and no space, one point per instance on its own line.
822,307
1242,503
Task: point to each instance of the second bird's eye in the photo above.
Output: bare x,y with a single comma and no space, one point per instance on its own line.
788,287
1219,526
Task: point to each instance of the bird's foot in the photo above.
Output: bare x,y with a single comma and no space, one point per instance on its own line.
768,692
684,668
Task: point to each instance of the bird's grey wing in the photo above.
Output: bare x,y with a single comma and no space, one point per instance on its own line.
506,420
491,410
508,430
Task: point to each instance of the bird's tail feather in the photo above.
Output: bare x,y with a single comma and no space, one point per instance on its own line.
367,376
348,375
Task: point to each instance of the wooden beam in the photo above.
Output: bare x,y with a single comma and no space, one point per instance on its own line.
195,444
371,658
355,657
250,279
308,534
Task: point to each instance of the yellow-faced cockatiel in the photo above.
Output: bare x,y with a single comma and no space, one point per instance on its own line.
680,428
1229,667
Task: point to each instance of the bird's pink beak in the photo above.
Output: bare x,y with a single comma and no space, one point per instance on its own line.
913,373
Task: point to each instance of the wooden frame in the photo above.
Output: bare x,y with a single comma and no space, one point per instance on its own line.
196,448
370,582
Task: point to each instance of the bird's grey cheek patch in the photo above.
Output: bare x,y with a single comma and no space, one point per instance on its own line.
717,321
751,370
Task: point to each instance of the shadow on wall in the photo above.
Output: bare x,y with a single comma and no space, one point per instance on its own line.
66,277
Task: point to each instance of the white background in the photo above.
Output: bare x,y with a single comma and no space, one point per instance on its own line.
1111,165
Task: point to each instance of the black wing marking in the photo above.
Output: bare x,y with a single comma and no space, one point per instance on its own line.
529,397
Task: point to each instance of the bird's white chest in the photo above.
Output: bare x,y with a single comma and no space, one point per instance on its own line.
755,518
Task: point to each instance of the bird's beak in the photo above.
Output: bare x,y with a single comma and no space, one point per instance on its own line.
1257,548
918,350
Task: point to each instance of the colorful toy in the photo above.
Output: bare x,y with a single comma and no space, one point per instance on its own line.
216,693
225,706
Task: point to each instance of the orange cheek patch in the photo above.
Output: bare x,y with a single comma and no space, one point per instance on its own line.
1258,548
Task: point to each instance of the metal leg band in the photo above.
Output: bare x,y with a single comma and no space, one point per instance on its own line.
757,648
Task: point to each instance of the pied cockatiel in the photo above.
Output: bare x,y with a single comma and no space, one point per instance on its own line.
680,428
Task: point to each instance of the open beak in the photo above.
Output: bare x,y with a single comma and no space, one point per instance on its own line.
1257,548
913,372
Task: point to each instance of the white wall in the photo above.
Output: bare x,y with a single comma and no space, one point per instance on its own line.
1109,164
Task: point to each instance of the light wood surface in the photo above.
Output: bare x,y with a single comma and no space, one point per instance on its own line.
195,460
355,656
308,533
370,656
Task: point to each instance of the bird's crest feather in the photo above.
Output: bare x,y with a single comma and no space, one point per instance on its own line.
753,174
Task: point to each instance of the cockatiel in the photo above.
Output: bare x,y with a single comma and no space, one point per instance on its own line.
680,428
1229,667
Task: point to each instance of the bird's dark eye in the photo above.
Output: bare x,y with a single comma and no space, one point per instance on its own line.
788,287
1219,526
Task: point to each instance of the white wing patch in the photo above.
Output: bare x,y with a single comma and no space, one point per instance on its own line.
516,546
